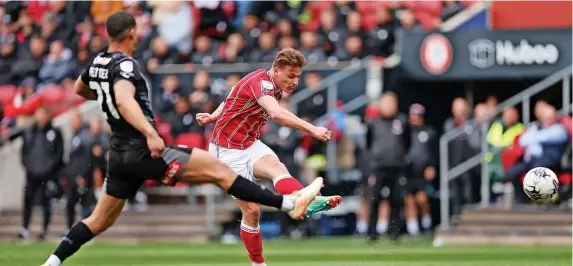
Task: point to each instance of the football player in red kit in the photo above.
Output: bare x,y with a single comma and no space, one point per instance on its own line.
235,141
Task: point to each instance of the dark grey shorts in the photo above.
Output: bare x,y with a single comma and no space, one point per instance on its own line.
127,170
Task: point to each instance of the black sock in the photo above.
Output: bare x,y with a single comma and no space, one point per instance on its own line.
246,190
73,240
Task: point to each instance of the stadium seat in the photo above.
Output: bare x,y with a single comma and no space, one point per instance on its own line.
7,93
52,94
164,130
511,155
566,122
191,140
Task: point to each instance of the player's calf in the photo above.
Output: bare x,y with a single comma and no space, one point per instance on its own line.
106,212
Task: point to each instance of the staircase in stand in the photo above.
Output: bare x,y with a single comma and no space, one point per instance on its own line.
521,225
157,224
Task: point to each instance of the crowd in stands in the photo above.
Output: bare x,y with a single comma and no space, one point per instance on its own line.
514,148
46,44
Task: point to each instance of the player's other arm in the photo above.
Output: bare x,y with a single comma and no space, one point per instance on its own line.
129,108
288,119
206,118
83,90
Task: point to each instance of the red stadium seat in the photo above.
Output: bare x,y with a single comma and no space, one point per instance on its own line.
52,94
164,130
566,122
564,178
191,140
7,93
510,156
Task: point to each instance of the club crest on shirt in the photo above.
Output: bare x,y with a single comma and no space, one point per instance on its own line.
267,86
397,128
126,68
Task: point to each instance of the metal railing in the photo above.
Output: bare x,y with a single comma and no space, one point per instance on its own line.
524,97
330,84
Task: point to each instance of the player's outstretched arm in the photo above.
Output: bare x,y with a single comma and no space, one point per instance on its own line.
288,119
83,90
129,109
206,118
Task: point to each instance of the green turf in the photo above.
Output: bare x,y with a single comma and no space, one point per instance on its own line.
317,252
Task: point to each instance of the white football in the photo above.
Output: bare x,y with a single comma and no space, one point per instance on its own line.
541,184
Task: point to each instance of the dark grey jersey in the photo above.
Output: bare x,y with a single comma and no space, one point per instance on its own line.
105,70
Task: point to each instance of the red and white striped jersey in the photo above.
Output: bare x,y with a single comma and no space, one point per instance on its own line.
242,118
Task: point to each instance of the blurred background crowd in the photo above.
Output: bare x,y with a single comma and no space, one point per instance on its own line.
44,46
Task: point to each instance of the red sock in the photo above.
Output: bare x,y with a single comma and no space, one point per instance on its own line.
287,185
253,241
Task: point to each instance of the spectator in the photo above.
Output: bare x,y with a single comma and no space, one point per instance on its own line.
165,101
460,150
381,38
7,60
213,22
287,42
237,41
182,120
97,45
30,60
78,171
491,104
100,152
423,156
145,32
201,88
158,54
503,132
59,64
85,31
285,28
83,59
267,49
331,35
310,47
203,51
314,106
388,142
352,49
251,32
543,143
177,27
283,140
408,21
24,27
354,25
343,9
42,155
231,54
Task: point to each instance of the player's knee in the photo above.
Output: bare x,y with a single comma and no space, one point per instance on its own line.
421,198
222,175
409,201
252,213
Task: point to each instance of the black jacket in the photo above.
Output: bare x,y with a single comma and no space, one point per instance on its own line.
424,148
42,151
80,155
388,143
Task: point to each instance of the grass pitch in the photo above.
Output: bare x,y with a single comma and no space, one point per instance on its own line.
316,252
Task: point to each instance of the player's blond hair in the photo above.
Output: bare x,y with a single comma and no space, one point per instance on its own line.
290,57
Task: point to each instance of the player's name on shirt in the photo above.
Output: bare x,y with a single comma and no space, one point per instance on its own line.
98,72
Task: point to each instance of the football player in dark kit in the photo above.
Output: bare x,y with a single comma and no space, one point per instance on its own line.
137,152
